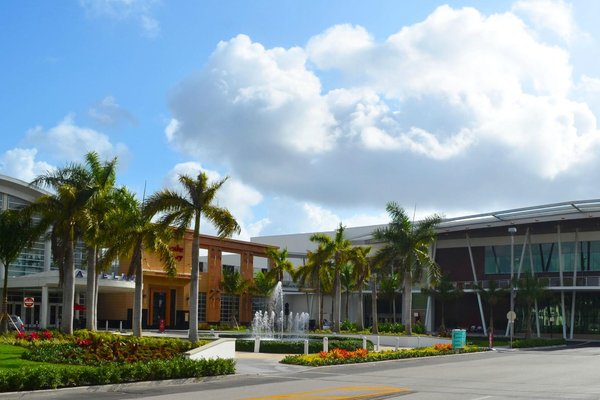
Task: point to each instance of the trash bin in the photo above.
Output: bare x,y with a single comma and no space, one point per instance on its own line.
459,338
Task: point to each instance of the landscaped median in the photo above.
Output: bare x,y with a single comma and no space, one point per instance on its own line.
53,361
339,356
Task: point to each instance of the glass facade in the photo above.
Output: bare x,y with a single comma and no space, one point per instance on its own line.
230,306
201,307
544,257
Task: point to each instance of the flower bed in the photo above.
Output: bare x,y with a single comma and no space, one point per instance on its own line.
91,348
297,346
337,356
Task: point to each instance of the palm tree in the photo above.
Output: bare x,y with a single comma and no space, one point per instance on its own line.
17,231
406,248
316,273
491,295
183,209
130,231
443,291
348,283
103,177
337,251
263,284
64,210
388,287
530,289
281,263
361,272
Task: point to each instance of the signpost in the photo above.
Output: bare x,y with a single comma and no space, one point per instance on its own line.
28,302
511,316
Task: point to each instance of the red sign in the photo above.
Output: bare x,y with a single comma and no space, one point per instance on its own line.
28,302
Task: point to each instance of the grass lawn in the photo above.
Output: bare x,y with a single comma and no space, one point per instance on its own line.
10,358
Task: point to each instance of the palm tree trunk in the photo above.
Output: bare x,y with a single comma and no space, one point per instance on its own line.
361,313
90,290
337,300
374,327
193,307
347,304
4,316
138,298
68,289
407,304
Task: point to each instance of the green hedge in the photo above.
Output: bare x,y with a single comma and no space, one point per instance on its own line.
297,346
314,360
537,342
52,377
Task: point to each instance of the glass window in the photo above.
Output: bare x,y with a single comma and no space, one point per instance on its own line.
15,203
230,305
201,307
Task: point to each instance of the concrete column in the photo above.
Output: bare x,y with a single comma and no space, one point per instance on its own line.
213,300
44,308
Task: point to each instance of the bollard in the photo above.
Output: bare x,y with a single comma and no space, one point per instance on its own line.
418,341
377,346
257,344
305,346
326,345
120,326
364,342
397,343
106,326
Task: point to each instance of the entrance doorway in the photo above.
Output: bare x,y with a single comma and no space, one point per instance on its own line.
162,303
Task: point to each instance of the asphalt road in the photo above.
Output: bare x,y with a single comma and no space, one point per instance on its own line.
563,373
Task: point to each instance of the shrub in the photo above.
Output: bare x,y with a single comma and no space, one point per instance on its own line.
537,342
390,327
316,360
52,377
349,326
418,328
297,346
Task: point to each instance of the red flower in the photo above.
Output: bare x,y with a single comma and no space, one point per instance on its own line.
47,335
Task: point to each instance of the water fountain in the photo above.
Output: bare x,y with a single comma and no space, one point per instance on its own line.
273,321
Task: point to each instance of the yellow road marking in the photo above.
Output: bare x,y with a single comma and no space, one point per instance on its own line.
364,392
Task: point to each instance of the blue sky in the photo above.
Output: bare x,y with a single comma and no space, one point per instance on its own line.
319,112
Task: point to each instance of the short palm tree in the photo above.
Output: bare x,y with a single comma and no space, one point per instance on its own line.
17,231
280,263
336,250
491,294
443,291
183,210
361,273
316,273
130,231
529,290
406,248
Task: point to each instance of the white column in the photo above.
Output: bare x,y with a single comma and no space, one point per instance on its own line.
483,324
562,284
44,308
523,253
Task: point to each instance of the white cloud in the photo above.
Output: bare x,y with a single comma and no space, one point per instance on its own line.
108,112
553,15
124,10
21,164
477,106
68,141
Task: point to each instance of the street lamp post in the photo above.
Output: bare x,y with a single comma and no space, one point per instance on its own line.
512,230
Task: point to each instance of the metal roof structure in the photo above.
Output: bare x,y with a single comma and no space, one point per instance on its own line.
568,210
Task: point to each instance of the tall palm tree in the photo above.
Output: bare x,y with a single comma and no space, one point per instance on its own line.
130,231
17,231
406,247
183,209
263,284
103,177
361,273
337,251
281,263
491,295
64,210
348,284
443,291
530,289
316,273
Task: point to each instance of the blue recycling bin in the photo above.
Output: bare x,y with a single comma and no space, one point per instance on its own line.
459,338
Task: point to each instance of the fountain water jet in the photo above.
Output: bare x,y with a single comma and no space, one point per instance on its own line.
268,323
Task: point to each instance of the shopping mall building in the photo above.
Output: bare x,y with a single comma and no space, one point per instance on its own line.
557,242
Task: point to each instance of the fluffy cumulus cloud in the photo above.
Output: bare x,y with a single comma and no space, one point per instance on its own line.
237,197
549,15
68,141
22,164
459,109
139,11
